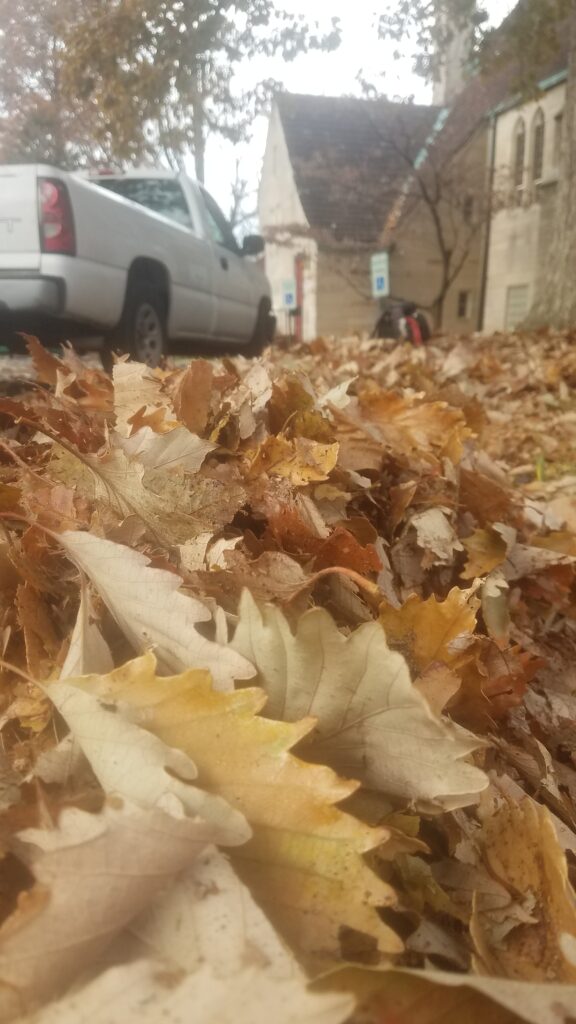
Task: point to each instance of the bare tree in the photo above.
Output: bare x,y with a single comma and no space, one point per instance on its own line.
243,211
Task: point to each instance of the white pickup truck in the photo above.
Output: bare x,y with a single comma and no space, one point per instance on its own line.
141,258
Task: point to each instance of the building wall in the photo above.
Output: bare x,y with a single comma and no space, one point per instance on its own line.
345,305
415,264
284,225
520,232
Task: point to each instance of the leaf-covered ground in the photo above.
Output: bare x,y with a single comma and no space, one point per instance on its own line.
288,688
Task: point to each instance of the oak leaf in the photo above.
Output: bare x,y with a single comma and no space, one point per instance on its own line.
371,722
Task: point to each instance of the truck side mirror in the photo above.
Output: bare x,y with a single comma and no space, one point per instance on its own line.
253,245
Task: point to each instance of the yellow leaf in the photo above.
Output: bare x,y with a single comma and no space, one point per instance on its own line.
304,864
300,461
432,630
436,997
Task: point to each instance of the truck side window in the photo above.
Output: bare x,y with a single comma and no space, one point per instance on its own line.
161,195
218,226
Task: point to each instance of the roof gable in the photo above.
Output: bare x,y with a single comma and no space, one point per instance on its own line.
350,157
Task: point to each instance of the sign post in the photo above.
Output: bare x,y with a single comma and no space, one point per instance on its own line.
289,303
380,274
289,294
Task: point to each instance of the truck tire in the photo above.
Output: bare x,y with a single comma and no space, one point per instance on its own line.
142,330
263,331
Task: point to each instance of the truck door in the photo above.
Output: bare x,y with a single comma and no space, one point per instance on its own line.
234,290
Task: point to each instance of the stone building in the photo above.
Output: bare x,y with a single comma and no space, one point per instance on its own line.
527,141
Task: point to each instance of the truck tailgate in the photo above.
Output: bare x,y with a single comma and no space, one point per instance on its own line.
19,233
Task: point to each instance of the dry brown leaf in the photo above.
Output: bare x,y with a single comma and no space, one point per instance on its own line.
522,852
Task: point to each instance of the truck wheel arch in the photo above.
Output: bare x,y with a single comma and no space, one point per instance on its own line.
146,271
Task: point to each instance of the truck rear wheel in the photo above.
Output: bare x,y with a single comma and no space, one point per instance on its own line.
142,330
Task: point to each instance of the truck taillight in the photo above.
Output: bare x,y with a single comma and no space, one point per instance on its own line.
57,234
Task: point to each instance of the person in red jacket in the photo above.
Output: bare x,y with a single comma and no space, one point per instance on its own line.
414,326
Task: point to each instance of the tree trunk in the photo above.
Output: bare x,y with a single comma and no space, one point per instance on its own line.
199,122
438,312
199,139
555,304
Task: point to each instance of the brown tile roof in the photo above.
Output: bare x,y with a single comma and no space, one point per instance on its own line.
350,157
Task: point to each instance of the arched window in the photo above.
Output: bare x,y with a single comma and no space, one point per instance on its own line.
538,138
519,153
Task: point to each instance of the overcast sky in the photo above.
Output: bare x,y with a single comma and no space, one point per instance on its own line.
331,74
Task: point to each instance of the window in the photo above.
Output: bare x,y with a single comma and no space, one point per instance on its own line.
519,154
464,305
538,138
558,133
218,226
161,195
517,299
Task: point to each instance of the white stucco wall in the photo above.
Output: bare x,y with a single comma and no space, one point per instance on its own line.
514,257
281,216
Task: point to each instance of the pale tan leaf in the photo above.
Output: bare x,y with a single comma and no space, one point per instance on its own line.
436,536
94,874
151,611
88,650
178,449
163,501
209,917
372,722
136,387
147,992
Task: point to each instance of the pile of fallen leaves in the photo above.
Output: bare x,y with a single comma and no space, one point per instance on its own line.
289,688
